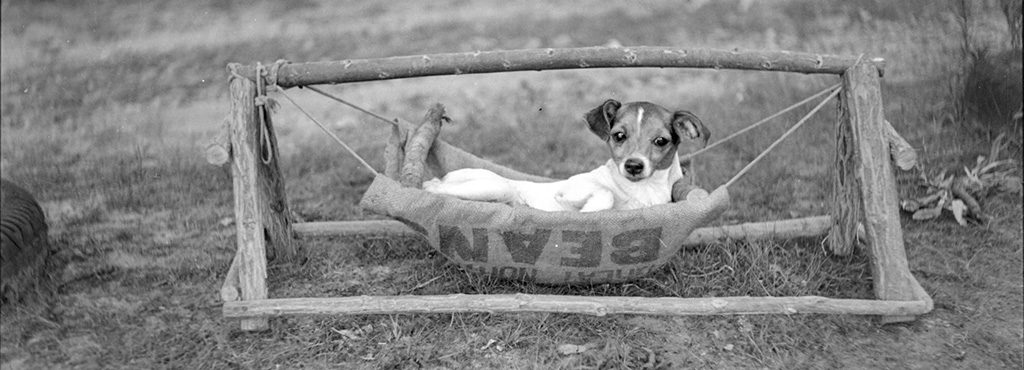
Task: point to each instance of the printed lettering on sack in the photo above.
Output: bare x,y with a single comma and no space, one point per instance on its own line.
573,248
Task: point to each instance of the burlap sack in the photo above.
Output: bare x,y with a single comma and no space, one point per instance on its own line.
521,243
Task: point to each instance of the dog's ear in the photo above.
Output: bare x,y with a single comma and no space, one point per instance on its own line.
600,119
688,125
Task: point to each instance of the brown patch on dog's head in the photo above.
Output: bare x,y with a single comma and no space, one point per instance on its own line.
600,118
685,124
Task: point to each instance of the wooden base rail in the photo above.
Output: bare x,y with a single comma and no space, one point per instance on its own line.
597,306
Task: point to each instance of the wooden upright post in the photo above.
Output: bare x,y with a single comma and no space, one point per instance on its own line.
873,173
260,205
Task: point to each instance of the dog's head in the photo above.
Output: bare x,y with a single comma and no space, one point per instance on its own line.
644,137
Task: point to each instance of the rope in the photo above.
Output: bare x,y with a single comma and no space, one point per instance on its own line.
783,137
272,76
758,123
834,91
233,71
335,137
266,151
356,107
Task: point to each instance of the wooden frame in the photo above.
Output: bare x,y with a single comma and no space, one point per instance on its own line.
264,228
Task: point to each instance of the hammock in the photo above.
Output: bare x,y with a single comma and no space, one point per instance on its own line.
522,243
526,244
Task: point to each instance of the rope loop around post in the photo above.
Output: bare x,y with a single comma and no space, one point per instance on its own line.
233,72
273,73
262,104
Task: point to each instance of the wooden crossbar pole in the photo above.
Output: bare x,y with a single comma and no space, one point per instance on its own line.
597,306
783,229
357,70
792,228
353,228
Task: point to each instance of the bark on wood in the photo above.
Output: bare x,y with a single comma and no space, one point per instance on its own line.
874,174
419,145
217,154
229,290
275,210
846,209
902,153
301,74
249,202
352,228
800,227
394,153
218,151
597,306
261,208
920,295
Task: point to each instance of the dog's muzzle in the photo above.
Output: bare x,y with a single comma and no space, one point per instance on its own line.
634,168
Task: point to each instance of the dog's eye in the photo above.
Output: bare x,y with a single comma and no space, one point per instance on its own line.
660,141
619,136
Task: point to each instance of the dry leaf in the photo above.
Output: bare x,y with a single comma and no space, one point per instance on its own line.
571,349
960,194
1011,184
351,335
946,181
910,205
958,207
487,345
927,213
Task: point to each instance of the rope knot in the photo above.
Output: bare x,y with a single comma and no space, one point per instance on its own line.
272,74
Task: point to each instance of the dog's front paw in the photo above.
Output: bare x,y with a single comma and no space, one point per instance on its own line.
600,200
567,203
433,185
681,190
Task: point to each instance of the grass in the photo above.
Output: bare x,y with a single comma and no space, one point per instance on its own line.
107,106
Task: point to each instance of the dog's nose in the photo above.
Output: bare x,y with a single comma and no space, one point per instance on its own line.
634,166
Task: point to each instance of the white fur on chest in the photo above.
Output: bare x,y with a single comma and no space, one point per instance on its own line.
653,190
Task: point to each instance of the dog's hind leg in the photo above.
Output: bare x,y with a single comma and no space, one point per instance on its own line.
469,174
473,184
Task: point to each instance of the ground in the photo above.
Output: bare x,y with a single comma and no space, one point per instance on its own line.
108,106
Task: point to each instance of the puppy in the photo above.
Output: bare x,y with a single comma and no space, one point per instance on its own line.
644,140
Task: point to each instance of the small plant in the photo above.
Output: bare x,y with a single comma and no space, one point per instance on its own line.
959,194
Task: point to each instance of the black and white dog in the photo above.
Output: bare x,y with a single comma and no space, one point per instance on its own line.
644,139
